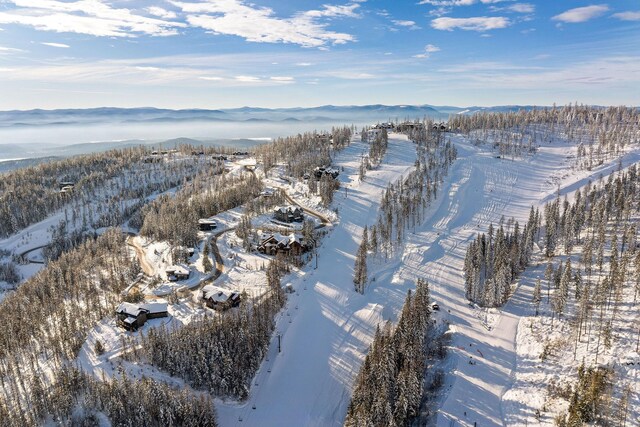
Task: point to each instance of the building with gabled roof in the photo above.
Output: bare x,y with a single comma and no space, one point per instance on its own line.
219,298
289,213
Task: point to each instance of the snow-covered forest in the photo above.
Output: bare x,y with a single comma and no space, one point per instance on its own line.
524,224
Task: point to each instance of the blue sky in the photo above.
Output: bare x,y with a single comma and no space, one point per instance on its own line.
231,53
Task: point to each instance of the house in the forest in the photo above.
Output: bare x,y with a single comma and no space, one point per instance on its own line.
288,213
439,127
323,170
206,224
409,126
133,316
276,243
219,298
177,272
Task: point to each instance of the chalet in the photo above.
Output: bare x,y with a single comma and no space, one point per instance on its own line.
156,309
288,288
276,243
205,224
439,127
153,158
241,153
323,137
219,298
219,157
409,126
288,214
177,272
130,316
133,316
323,170
267,192
384,125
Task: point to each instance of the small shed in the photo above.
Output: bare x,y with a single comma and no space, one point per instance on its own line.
206,224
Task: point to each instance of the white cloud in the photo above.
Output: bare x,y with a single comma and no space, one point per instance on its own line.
516,7
581,14
405,23
282,79
448,3
210,78
260,24
161,13
247,79
9,49
60,45
522,8
304,64
92,17
627,16
480,23
428,50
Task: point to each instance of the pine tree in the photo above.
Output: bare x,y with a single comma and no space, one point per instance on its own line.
206,261
537,295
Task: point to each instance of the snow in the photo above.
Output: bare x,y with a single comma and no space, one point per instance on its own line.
326,327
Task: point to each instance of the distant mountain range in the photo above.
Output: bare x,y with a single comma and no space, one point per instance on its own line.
322,114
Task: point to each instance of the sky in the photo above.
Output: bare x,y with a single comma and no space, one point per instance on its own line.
275,53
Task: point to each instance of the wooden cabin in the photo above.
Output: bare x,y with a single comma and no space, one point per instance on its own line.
177,272
276,243
219,298
288,214
134,316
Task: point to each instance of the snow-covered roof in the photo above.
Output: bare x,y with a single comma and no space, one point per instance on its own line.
130,320
177,269
129,309
284,239
155,307
287,208
217,293
206,221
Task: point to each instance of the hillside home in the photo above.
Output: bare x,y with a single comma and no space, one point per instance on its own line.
177,272
133,316
219,298
276,243
288,214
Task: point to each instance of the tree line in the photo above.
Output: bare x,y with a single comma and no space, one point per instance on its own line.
493,261
403,205
389,387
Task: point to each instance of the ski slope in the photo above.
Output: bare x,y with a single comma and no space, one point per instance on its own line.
326,327
480,190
